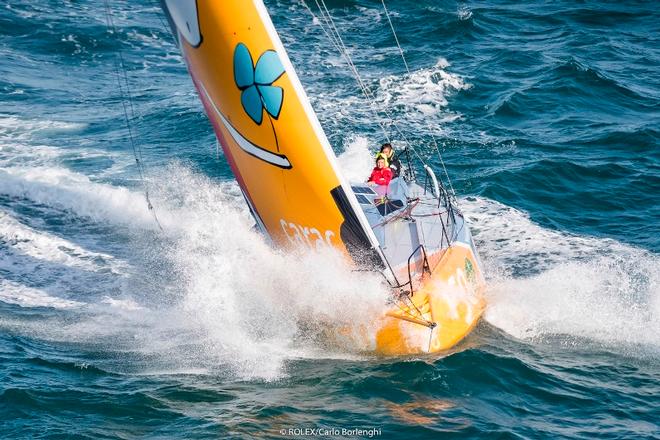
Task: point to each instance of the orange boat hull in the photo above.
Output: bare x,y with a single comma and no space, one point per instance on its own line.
441,312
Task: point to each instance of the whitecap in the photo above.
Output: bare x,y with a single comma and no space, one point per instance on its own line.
24,296
544,282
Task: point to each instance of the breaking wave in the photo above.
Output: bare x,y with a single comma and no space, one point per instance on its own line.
545,283
421,93
219,297
191,292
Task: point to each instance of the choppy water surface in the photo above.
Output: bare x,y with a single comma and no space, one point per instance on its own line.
547,115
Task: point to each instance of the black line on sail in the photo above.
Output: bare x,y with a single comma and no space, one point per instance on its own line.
272,125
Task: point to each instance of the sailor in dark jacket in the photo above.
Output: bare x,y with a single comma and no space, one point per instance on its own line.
393,161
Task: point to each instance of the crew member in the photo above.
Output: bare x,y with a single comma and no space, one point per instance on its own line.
381,174
391,159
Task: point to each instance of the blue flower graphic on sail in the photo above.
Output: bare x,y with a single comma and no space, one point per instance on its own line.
256,82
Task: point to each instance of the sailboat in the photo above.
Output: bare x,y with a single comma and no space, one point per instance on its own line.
410,231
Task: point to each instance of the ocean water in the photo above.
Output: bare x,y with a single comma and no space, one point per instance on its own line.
548,118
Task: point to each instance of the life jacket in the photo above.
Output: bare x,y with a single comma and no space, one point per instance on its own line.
382,155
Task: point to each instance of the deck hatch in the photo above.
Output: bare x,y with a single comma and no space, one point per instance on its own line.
363,199
362,190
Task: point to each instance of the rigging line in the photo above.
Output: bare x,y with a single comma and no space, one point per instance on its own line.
325,31
166,27
333,40
137,151
387,14
343,50
119,66
122,70
420,314
337,41
330,34
442,162
112,28
418,319
343,47
408,310
368,94
430,338
340,46
365,89
417,308
403,57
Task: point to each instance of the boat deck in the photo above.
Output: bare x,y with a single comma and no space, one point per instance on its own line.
408,221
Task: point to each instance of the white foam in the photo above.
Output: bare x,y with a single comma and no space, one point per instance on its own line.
21,144
253,302
417,100
421,94
48,247
357,159
464,13
22,128
61,188
600,300
250,307
34,154
15,293
239,304
511,239
546,283
128,304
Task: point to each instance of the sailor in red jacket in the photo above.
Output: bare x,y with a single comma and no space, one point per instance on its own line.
381,173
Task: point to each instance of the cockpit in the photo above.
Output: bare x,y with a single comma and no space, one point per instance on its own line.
381,200
404,215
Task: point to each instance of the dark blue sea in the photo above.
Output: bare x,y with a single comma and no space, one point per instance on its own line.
547,115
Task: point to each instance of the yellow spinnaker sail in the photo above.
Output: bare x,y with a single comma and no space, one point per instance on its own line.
270,135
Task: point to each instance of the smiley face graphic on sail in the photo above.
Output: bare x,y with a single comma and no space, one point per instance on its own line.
257,94
256,83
